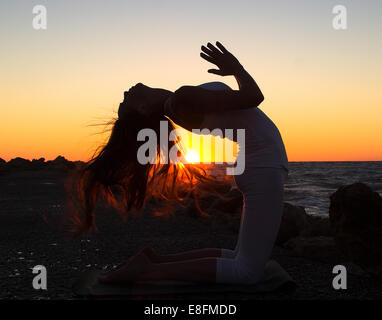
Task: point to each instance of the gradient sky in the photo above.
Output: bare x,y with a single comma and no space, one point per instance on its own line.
322,86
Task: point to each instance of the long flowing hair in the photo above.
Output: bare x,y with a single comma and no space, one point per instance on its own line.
115,175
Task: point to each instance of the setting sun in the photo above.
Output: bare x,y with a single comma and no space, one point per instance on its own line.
192,156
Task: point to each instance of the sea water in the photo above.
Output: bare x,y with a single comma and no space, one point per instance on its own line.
310,184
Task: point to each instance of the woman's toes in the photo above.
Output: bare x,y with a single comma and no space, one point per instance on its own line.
149,252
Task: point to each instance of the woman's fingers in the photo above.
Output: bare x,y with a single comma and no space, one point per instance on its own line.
221,47
208,58
213,49
207,51
217,57
216,71
221,57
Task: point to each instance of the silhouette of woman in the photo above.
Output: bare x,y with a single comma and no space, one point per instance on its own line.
211,105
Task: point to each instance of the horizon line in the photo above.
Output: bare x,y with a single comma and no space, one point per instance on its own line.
291,161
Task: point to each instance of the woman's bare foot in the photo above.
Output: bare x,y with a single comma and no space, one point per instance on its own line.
147,251
131,271
150,253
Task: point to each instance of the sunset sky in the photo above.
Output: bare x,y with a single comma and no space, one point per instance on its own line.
322,87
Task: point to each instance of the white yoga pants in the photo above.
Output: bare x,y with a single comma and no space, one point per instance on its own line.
263,191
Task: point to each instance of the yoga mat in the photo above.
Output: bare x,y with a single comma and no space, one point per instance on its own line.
274,278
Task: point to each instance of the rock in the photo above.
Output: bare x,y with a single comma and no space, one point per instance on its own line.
323,249
317,226
18,163
293,222
60,163
38,164
3,163
356,219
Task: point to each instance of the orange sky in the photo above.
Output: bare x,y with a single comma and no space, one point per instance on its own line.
322,87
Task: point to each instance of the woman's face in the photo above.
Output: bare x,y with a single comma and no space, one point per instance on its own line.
142,98
134,98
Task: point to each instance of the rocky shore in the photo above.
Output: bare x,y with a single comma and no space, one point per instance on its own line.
32,232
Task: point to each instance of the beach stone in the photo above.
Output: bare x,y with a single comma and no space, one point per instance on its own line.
293,222
355,214
317,225
320,248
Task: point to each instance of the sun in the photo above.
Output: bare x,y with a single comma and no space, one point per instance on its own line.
192,156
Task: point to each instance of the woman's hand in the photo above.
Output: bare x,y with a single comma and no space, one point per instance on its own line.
226,62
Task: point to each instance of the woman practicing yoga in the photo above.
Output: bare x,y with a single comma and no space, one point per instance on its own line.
211,105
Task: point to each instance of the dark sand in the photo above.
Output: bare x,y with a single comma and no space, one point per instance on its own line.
31,203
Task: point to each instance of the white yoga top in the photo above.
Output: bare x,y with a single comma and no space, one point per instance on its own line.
264,145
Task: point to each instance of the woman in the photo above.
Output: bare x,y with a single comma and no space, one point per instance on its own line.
212,105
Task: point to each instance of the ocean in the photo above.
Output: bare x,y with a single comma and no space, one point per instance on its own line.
310,184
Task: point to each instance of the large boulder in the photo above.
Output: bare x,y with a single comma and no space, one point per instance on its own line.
317,225
356,219
320,248
294,221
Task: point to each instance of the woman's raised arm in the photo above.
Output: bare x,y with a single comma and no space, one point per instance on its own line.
189,99
229,66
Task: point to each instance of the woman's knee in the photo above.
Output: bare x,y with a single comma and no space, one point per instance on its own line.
228,254
234,271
